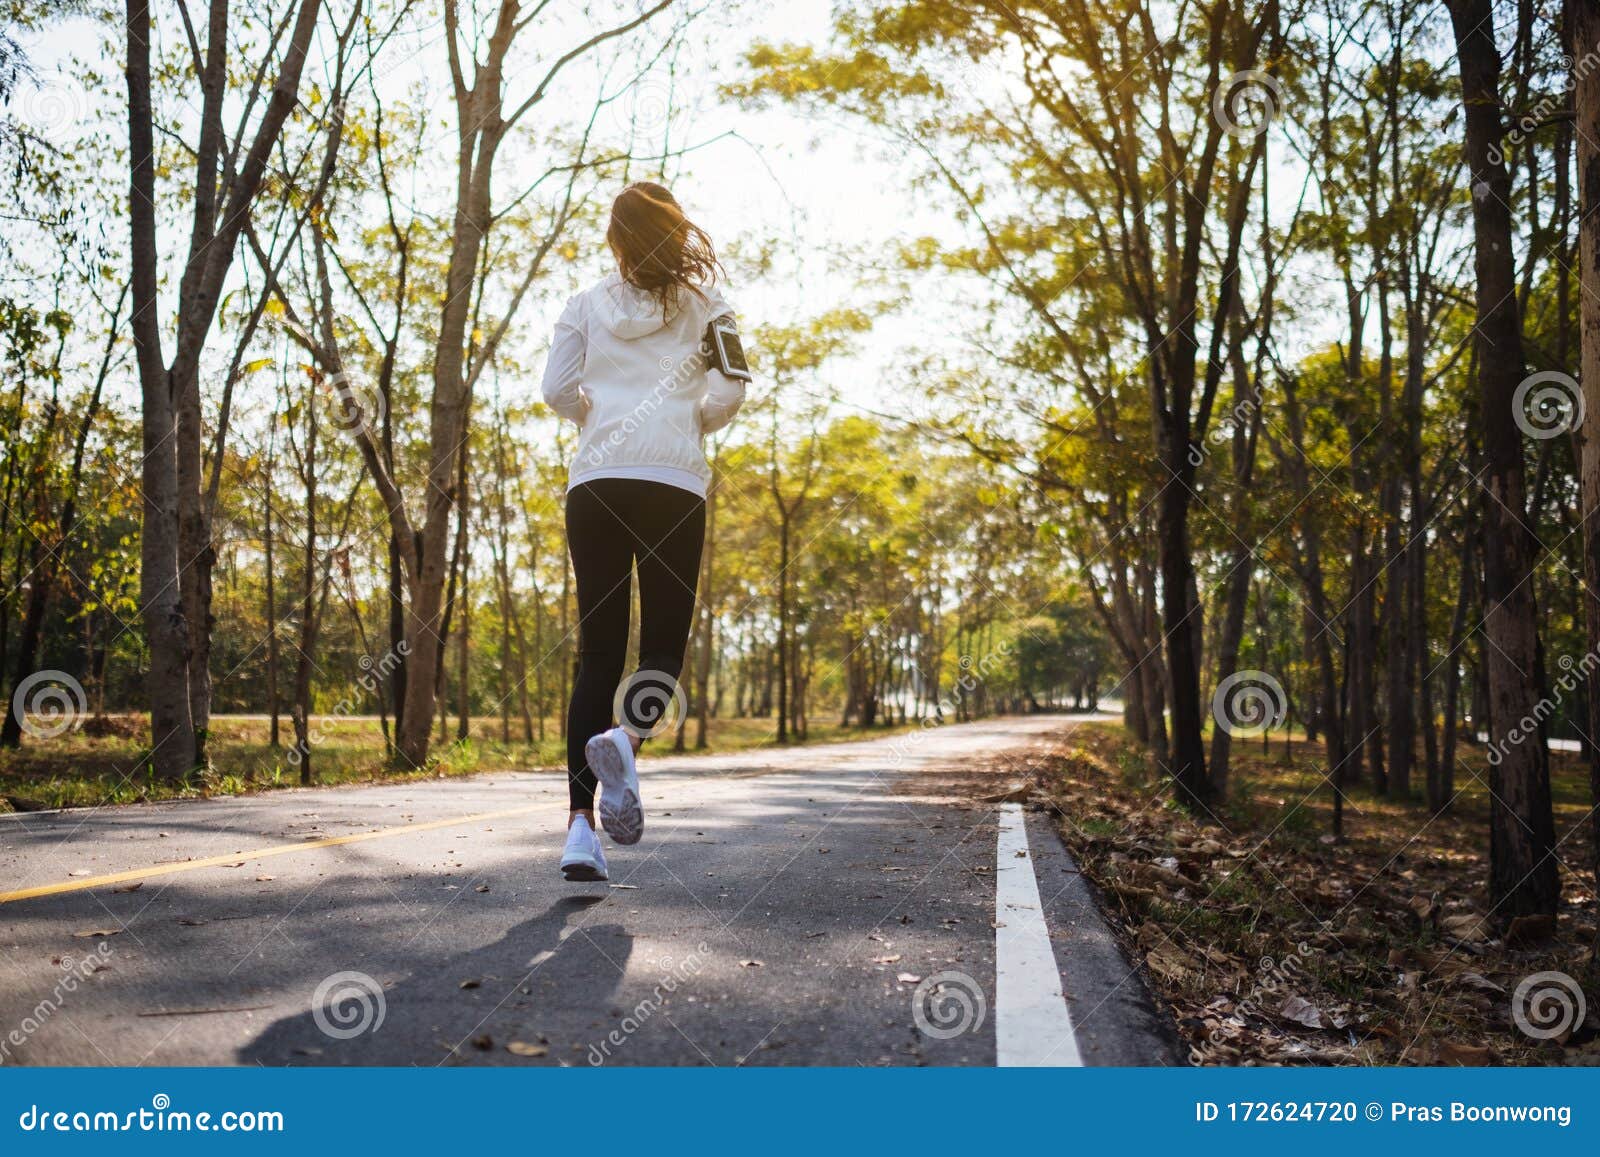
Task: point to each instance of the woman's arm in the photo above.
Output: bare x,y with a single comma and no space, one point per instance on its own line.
563,369
724,396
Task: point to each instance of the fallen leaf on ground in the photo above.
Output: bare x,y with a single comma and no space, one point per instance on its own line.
751,963
1301,1011
1454,1054
519,1048
90,933
1170,961
1531,929
471,983
1016,793
1468,927
134,887
909,978
886,959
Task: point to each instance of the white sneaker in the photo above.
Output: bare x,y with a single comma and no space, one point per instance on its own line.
583,860
610,757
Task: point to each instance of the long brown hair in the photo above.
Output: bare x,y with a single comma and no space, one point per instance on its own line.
657,248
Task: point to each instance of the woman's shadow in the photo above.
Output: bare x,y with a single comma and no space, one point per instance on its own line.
467,1008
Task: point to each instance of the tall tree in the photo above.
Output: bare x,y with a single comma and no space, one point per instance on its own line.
1584,29
224,185
483,121
1523,869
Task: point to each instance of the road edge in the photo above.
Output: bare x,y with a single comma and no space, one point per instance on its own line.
1117,1019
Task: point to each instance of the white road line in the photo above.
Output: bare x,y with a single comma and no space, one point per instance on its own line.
1032,1026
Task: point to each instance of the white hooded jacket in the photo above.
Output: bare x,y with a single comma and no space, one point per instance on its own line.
638,385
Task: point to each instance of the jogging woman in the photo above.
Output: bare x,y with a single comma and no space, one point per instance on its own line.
630,364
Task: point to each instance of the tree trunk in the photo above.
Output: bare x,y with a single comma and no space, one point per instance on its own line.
1418,659
464,641
1397,717
1523,869
480,127
172,736
1186,760
176,552
1585,31
1241,559
783,624
1442,780
1153,670
272,611
1364,753
306,642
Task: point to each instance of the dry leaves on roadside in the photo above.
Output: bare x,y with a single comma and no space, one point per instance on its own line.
1274,945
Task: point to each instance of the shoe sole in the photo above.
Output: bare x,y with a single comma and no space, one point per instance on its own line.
582,873
621,813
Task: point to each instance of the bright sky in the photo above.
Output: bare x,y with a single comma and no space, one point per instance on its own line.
815,187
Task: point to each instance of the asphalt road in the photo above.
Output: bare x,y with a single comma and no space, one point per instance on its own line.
851,904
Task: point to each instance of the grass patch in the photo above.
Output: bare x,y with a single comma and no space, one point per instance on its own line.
106,763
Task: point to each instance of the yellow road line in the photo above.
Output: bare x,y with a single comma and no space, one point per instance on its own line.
258,854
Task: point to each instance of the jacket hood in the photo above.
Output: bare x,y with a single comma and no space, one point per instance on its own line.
629,312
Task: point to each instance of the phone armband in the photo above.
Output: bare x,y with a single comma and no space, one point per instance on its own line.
725,350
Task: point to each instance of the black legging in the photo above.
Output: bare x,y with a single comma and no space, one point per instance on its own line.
612,524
